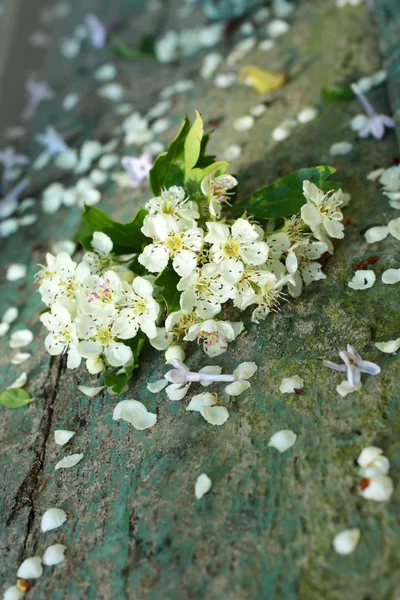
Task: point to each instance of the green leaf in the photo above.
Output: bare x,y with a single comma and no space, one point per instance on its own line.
205,159
15,398
217,168
337,92
168,167
193,144
168,281
122,50
127,238
116,382
284,197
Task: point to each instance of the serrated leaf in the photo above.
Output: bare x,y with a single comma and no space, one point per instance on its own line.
168,167
337,92
15,398
192,146
284,197
127,238
168,281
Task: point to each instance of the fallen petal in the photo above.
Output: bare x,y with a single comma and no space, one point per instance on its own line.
203,485
21,338
363,280
157,386
237,387
68,461
54,555
283,440
62,436
215,415
289,385
31,568
346,541
376,234
90,391
346,388
391,276
52,519
389,347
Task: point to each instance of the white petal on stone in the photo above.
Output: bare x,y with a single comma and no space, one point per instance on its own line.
232,152
266,45
394,228
257,110
358,122
210,63
280,133
108,161
225,80
67,246
20,358
160,125
13,593
379,489
136,413
19,382
362,280
91,392
31,568
289,385
4,327
68,461
277,27
54,555
62,436
16,272
237,387
157,386
346,541
67,160
391,276
175,351
112,91
243,123
345,388
215,415
98,177
106,72
203,485
368,454
70,101
389,347
52,519
340,148
21,338
70,48
245,370
307,114
375,174
200,400
376,234
282,440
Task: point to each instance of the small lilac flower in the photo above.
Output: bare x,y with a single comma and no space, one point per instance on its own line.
138,168
376,123
353,366
8,204
38,91
52,141
97,31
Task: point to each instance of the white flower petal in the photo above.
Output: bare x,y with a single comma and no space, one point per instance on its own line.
205,399
394,228
340,148
62,436
282,440
52,519
4,327
203,485
243,123
245,370
13,593
31,568
376,234
379,488
277,27
19,382
21,338
90,391
106,72
157,386
389,347
20,358
68,461
346,541
237,387
10,315
345,388
363,280
391,276
136,413
307,114
289,385
16,272
112,91
215,415
368,454
54,555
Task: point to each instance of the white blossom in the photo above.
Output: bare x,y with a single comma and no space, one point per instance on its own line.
322,213
204,291
217,191
215,335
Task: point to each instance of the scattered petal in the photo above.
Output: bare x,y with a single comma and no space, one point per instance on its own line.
136,413
90,391
277,27
340,148
289,385
106,72
232,152
363,280
307,114
389,347
62,436
346,388
237,387
282,440
378,488
31,568
243,123
13,593
54,555
10,315
4,327
68,461
21,338
52,519
16,272
203,485
245,370
157,386
376,234
215,415
346,541
391,276
19,382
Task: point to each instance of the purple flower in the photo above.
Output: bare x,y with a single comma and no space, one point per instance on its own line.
38,92
376,123
137,168
97,31
353,366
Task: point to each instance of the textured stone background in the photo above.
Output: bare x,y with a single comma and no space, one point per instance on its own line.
265,530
